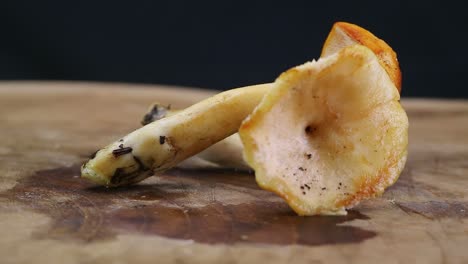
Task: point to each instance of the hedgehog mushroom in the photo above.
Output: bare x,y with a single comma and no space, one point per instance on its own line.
165,143
328,133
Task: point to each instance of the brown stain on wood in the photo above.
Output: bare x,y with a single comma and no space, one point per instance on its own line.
84,212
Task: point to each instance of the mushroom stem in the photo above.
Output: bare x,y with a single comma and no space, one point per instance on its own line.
163,144
227,153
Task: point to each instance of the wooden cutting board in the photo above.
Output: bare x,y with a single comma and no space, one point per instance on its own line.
49,215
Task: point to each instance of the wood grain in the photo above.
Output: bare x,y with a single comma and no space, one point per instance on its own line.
49,215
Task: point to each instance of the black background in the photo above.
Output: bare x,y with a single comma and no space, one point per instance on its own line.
223,44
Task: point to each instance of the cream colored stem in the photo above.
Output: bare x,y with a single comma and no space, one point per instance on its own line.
163,144
227,153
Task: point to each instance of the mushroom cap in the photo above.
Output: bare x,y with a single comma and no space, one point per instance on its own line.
329,133
345,34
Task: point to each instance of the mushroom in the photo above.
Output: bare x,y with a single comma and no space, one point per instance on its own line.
328,133
165,143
